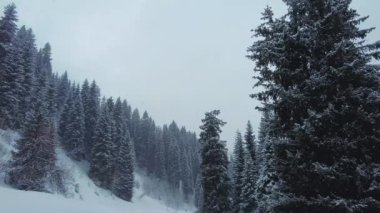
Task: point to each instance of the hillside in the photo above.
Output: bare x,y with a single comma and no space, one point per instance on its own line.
82,194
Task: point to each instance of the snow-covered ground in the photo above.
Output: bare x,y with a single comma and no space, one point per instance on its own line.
16,201
83,195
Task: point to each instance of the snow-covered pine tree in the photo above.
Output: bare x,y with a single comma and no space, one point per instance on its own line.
159,156
101,155
35,156
249,140
63,90
166,141
173,167
51,95
269,187
120,125
143,142
8,29
10,69
250,171
123,177
238,173
65,114
135,125
45,81
314,66
123,180
198,194
127,113
91,103
111,107
185,169
88,124
72,126
248,196
42,76
26,44
215,180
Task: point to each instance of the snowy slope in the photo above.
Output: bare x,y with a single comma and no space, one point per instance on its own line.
83,196
16,201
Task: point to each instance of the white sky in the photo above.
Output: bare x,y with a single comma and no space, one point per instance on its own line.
176,59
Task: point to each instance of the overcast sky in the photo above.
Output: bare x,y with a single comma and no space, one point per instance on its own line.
176,59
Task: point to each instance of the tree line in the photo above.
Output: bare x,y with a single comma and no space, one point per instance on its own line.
50,111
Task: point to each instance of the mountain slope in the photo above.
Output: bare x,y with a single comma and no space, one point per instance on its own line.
82,195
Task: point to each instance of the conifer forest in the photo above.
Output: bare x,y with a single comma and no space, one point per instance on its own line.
310,145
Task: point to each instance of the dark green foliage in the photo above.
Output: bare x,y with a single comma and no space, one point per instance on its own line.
248,195
249,140
123,176
63,90
10,70
215,181
71,129
314,66
8,29
25,41
101,155
90,98
35,156
238,174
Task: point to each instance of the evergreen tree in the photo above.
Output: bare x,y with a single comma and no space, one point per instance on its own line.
185,172
173,167
215,181
123,165
101,155
35,156
135,127
25,42
72,126
198,195
90,98
8,29
250,171
248,194
127,113
314,66
123,176
238,174
63,90
42,75
10,69
159,155
249,139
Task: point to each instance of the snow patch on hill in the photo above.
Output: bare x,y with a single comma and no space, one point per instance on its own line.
82,195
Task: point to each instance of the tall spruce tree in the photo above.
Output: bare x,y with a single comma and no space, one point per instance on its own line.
42,85
91,103
10,69
248,191
238,174
314,66
72,126
250,170
63,90
215,181
35,156
249,139
26,44
101,155
123,177
8,29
